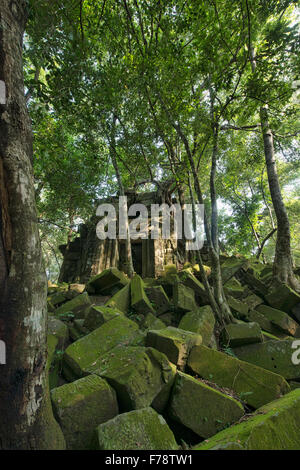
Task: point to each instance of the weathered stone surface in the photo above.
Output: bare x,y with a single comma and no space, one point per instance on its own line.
275,356
81,406
254,385
201,321
253,301
59,329
137,374
282,298
136,430
76,306
202,408
275,426
83,353
231,267
139,300
255,284
97,316
107,282
151,322
77,329
58,298
264,323
158,299
78,288
238,334
240,308
174,343
234,288
120,300
184,298
188,279
280,319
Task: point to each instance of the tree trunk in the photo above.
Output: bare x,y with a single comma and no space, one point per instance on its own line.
26,415
283,262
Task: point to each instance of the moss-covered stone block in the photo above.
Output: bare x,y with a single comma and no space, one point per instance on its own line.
137,374
239,334
254,385
76,306
174,343
264,323
98,315
275,426
158,299
139,300
120,300
202,408
188,279
282,297
184,298
59,329
151,322
81,406
201,321
142,429
281,320
57,298
239,307
83,353
275,356
253,301
108,282
231,267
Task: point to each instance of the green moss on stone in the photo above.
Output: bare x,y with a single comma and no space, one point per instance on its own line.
81,406
137,430
254,385
201,408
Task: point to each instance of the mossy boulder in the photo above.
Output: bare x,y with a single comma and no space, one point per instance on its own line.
275,426
282,297
254,385
57,298
139,300
184,298
137,374
77,329
98,315
237,306
53,360
158,299
81,406
107,283
201,321
188,279
201,408
120,300
252,301
84,352
174,343
264,322
281,320
78,288
59,329
234,288
231,267
275,356
142,429
255,284
76,306
238,334
151,322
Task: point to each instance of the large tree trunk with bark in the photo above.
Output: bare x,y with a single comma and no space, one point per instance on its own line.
26,416
283,262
